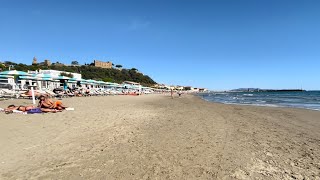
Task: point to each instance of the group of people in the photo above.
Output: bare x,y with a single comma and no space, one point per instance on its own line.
172,92
45,105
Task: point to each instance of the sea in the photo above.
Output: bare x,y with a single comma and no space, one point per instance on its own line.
302,99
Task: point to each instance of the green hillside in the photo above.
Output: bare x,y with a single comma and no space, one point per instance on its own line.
91,72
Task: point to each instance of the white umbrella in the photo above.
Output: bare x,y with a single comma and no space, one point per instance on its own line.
15,72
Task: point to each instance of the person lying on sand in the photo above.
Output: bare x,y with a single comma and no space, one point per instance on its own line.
46,102
27,108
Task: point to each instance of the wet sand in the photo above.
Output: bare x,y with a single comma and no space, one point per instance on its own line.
156,137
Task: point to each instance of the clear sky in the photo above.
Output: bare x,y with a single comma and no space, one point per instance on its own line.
219,44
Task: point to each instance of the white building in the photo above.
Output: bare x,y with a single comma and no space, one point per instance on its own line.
55,73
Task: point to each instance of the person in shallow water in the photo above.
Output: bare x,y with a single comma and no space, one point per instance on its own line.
46,102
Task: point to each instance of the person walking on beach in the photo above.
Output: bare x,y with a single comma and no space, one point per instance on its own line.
171,93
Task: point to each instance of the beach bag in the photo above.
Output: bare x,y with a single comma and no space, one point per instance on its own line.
35,111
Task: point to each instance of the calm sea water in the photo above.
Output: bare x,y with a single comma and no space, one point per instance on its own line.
305,99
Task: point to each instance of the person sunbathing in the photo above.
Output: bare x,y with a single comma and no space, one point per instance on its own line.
29,93
46,102
19,108
27,108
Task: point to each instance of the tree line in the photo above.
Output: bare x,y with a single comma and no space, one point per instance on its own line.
90,72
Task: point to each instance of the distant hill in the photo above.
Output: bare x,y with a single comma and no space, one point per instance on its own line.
246,89
264,90
91,72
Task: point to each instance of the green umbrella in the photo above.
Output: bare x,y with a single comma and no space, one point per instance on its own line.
27,77
15,72
6,76
62,77
43,76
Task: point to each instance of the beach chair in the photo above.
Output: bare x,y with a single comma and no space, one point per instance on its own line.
23,95
56,95
10,93
69,93
51,93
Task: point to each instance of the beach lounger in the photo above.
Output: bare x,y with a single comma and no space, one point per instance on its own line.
22,94
9,93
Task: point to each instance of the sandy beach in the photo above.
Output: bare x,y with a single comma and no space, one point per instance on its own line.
156,137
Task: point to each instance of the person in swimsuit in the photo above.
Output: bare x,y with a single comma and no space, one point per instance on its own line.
19,108
25,109
46,102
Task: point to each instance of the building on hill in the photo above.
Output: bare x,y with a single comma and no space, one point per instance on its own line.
58,64
107,65
34,61
161,86
45,63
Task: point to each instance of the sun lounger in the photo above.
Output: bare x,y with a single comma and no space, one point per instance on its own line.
9,93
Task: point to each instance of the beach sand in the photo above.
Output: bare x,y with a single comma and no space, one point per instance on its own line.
156,137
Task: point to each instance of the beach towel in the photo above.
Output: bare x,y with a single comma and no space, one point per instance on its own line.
35,111
15,111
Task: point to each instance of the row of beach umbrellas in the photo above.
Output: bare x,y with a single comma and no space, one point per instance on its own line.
48,77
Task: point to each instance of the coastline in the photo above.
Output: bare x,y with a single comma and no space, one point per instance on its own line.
153,136
306,100
258,105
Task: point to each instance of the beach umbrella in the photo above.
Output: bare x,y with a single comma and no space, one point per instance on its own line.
15,72
45,76
74,79
45,79
27,77
84,81
101,82
6,76
91,81
112,84
62,78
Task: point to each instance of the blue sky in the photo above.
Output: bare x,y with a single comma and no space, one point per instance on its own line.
219,44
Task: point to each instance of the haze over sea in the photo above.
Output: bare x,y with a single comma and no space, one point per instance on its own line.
304,99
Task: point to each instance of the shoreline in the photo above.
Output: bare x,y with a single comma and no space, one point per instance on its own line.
154,136
305,106
257,105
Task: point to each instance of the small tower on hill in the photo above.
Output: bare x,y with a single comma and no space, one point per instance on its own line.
34,61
